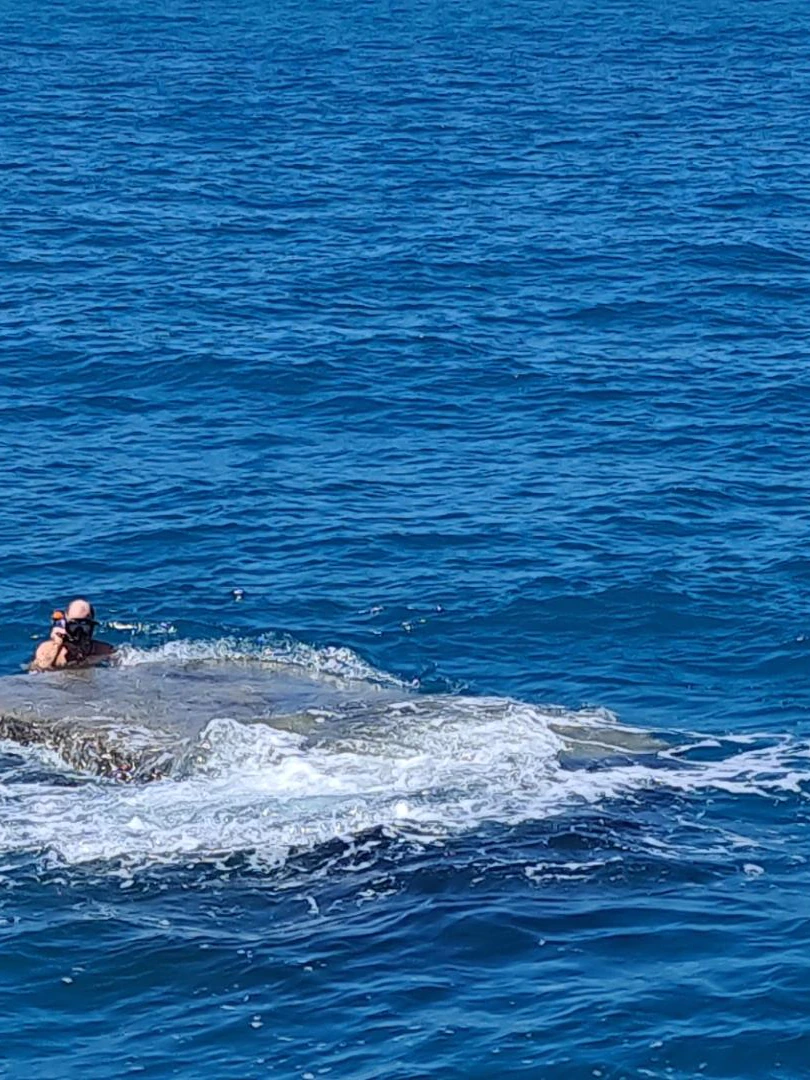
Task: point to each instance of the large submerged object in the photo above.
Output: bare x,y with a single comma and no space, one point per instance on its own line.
155,715
268,751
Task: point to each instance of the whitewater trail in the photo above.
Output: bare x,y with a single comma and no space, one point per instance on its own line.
272,756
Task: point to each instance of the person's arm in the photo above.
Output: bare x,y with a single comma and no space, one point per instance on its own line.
51,653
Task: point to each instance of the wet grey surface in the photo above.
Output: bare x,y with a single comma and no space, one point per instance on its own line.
147,721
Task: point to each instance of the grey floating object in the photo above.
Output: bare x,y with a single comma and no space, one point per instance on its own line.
154,719
148,721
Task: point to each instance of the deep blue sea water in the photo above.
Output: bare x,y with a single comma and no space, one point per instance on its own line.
471,342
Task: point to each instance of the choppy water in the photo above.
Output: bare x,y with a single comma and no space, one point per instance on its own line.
470,341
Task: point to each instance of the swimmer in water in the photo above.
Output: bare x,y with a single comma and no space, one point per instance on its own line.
71,642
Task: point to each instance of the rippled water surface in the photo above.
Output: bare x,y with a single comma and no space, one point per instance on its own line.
470,342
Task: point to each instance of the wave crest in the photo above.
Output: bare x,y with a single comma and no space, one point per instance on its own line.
337,661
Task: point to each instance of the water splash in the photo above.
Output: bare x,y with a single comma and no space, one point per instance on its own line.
337,661
412,765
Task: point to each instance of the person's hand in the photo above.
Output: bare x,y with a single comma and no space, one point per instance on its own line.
59,635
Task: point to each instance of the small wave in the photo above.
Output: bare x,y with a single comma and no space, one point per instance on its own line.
337,661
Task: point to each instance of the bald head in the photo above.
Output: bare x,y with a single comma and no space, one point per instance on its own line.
80,609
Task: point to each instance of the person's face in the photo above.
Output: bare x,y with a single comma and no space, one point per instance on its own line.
79,626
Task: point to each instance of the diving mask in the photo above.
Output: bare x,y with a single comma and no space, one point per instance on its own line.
78,632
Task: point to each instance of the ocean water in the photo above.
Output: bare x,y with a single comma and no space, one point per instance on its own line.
470,341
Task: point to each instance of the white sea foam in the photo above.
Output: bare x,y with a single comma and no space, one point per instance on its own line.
430,765
427,765
331,660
